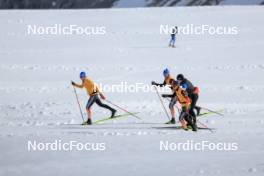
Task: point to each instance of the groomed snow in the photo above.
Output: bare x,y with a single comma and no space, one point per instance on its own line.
38,103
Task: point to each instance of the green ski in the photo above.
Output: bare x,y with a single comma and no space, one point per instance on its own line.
115,117
209,113
202,115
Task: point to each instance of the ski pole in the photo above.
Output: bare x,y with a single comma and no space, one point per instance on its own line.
212,111
123,109
78,102
205,126
179,111
166,112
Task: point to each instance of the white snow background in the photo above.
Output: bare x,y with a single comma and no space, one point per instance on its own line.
37,101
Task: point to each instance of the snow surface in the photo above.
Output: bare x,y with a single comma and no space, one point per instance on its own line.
38,103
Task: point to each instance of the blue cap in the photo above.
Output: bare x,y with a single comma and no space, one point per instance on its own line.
166,72
184,86
82,74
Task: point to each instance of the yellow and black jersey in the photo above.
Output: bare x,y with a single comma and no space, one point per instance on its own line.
90,87
182,97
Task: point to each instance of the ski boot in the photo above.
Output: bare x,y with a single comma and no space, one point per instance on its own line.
172,121
186,128
189,127
113,113
194,127
88,122
198,110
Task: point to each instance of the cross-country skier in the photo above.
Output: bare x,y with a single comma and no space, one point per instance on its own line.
182,97
94,93
168,79
174,31
180,94
193,93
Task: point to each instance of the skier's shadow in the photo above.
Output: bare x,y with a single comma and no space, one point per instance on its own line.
179,128
126,127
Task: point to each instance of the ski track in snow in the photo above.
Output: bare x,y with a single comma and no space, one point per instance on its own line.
237,67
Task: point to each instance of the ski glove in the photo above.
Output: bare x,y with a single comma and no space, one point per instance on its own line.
73,83
153,83
185,93
156,84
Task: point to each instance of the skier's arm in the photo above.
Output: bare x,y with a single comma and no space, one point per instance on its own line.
98,90
78,85
157,84
100,93
168,95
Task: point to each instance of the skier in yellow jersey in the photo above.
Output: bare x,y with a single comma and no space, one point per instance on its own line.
94,93
180,94
168,79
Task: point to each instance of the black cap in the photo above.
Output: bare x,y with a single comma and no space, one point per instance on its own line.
180,77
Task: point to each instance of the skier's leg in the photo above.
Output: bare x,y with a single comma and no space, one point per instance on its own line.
191,118
192,107
88,109
182,120
99,103
170,44
173,42
198,109
188,118
172,110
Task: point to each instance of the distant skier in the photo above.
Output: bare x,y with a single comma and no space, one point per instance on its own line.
168,79
193,93
93,91
174,31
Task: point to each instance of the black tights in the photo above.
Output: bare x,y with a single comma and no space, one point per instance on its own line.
194,99
96,99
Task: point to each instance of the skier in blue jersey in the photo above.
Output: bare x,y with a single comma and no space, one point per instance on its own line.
174,31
